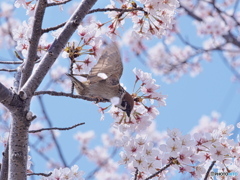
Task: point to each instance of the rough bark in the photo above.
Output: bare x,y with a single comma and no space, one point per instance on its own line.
18,145
4,165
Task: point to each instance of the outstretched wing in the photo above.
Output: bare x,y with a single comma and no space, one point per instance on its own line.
110,64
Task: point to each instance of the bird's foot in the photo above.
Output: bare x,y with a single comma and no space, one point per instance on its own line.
98,99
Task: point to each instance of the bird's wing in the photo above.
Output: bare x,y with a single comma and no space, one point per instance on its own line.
110,64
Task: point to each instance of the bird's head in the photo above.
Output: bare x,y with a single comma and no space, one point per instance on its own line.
126,103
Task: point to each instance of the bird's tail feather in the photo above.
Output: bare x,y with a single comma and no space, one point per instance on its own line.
78,85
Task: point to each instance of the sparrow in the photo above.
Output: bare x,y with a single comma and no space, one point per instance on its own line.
96,86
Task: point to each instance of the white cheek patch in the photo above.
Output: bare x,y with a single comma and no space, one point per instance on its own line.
115,100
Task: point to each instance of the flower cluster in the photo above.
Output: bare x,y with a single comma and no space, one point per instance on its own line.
174,62
142,114
153,19
88,46
212,26
66,173
193,153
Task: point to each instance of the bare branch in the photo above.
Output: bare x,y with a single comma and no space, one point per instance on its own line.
10,62
172,161
42,154
56,128
53,28
52,134
40,174
9,70
209,169
190,13
234,71
91,174
136,173
54,93
56,47
116,9
34,40
57,4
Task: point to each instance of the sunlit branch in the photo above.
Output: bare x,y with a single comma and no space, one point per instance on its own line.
59,3
55,128
54,93
52,133
209,169
10,62
53,28
34,41
39,174
116,9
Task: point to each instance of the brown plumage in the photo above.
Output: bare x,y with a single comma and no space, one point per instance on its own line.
109,64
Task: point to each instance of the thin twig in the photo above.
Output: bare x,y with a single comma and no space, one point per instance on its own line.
209,169
52,134
53,28
136,173
172,161
10,62
91,174
57,4
56,128
54,93
42,154
9,70
40,174
234,71
76,159
116,9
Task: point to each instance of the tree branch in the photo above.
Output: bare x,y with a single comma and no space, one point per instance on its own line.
8,70
59,43
53,28
57,4
40,174
116,9
56,128
172,161
6,95
11,62
209,169
52,134
54,93
136,174
91,174
34,40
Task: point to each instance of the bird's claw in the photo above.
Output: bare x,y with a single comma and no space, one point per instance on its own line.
99,99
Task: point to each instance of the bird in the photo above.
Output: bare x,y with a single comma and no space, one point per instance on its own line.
103,80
